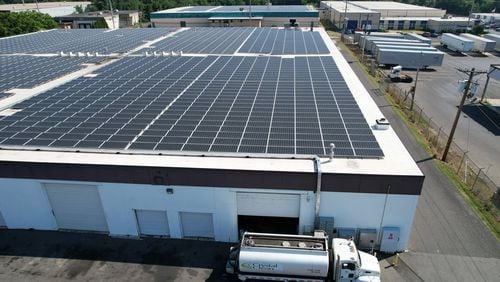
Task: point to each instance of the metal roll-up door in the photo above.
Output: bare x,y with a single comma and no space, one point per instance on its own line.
77,207
154,223
267,204
2,221
197,225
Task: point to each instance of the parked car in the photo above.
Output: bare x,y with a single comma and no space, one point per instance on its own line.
430,34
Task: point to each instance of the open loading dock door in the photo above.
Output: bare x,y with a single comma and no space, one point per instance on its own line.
267,212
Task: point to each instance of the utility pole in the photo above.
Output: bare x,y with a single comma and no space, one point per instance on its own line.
344,23
364,39
471,73
112,16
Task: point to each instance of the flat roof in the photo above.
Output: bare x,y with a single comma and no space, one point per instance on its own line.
395,161
241,8
389,5
373,6
453,19
341,7
40,5
235,11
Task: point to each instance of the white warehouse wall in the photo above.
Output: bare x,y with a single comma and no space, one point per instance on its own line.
356,210
25,205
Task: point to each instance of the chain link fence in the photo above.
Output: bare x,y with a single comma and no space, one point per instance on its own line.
472,176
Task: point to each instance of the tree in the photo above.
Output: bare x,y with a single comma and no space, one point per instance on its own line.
24,22
100,23
477,29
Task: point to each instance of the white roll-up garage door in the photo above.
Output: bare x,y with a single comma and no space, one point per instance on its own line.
77,207
268,204
152,222
197,225
2,221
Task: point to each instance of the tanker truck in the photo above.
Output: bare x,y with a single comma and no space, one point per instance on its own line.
278,257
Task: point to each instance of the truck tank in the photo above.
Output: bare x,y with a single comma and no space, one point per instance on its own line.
286,255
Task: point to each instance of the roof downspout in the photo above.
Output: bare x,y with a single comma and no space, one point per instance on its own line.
317,164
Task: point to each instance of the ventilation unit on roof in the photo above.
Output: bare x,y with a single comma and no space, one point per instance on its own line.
382,124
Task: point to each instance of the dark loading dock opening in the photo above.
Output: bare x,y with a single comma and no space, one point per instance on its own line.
268,224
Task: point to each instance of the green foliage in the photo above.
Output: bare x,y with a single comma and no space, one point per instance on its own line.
100,23
24,22
79,9
477,29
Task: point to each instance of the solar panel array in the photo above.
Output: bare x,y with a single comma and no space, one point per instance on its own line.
284,41
205,40
81,40
30,71
232,104
252,40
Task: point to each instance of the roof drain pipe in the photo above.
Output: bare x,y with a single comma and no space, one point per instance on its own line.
317,162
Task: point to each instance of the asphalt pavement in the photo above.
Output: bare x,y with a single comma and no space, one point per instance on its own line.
447,234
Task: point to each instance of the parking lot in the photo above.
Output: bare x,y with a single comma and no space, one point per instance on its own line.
62,256
478,129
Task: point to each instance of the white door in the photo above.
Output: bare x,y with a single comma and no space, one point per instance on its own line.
267,204
2,221
77,207
198,225
152,222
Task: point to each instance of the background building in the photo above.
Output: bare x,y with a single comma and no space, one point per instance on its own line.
54,9
89,20
388,15
257,16
234,133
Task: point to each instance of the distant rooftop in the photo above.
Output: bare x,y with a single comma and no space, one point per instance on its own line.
389,5
41,5
235,11
255,8
366,6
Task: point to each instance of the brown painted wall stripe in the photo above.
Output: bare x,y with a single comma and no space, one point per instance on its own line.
410,185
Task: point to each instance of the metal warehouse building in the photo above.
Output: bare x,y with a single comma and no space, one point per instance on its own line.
379,14
120,132
237,16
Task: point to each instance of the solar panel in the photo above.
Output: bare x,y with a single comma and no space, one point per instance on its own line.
81,40
237,104
205,40
30,71
284,42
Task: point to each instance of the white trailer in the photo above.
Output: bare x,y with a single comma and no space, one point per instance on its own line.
359,34
278,257
399,47
409,58
371,40
394,43
420,38
481,44
456,43
494,37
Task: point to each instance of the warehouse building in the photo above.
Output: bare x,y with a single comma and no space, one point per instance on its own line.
388,15
237,16
258,129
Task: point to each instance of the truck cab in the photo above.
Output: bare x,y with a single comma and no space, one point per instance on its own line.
351,264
